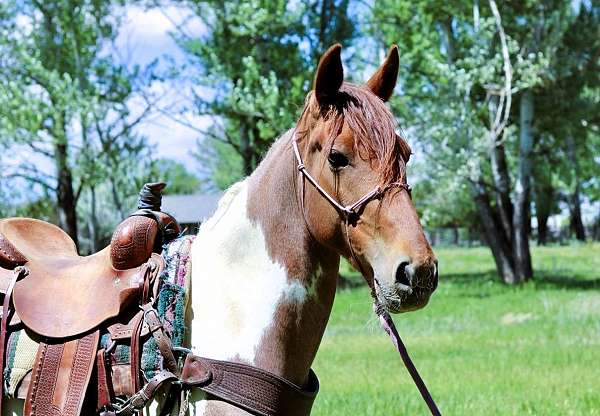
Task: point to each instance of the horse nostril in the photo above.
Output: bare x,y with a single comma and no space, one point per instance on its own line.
435,277
401,274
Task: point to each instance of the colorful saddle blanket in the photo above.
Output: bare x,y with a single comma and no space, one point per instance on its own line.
171,305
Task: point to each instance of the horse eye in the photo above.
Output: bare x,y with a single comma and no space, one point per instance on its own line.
337,160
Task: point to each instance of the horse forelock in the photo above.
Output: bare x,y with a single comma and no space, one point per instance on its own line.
373,127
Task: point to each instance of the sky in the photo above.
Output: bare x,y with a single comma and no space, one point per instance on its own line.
144,36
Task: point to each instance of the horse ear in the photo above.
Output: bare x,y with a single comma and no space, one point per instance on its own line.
382,83
330,75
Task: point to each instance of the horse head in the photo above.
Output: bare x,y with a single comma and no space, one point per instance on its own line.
360,205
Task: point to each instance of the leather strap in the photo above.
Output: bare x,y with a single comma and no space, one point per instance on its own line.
250,388
17,273
136,334
350,213
162,340
61,375
105,391
390,328
138,401
136,353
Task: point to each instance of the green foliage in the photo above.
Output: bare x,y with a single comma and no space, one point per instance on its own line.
64,109
481,346
255,92
451,77
179,181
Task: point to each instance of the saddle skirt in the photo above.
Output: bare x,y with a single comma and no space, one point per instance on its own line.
172,306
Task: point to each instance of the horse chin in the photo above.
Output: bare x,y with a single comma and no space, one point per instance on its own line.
398,298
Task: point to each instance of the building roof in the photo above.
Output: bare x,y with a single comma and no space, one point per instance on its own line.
190,209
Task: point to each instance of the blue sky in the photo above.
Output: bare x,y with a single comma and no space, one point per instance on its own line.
143,37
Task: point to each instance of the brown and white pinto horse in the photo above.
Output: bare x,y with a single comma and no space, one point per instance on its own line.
265,266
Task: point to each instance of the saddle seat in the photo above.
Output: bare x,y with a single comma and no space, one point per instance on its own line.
65,294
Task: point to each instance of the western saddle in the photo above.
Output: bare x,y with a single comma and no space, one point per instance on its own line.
66,302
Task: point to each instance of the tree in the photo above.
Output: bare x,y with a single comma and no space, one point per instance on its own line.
470,77
63,101
568,117
255,91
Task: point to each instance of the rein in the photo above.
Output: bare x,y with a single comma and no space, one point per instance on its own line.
350,214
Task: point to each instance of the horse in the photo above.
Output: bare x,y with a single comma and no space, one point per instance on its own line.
265,265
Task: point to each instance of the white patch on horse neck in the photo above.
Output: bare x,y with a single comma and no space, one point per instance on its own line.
236,286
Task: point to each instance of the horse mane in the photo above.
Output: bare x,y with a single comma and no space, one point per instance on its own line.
373,127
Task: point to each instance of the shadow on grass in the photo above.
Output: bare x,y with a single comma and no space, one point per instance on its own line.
350,281
541,280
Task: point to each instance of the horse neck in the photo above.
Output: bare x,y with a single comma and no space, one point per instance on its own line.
263,288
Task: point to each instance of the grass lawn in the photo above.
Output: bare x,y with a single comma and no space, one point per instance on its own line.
482,347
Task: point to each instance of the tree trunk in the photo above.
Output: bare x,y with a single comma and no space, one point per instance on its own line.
544,200
116,199
596,233
494,236
448,39
93,221
521,215
456,235
576,221
501,179
502,184
65,196
542,220
574,199
246,150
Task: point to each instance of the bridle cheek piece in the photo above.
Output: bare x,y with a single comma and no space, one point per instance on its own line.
349,213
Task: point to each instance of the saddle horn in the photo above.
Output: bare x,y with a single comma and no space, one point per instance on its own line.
143,232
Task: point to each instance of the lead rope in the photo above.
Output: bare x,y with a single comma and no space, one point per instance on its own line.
388,325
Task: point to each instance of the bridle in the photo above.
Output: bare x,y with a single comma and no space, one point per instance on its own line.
350,215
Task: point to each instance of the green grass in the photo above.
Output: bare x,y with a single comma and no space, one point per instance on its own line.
482,347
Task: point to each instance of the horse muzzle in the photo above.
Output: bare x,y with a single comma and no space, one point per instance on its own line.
410,289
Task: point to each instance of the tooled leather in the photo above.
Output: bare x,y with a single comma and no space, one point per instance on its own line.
132,242
81,371
10,257
39,399
47,396
249,387
120,331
